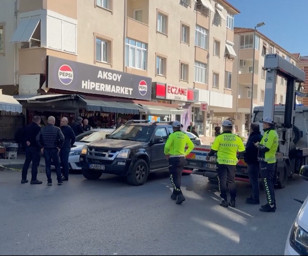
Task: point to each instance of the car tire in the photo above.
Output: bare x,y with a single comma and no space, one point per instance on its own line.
91,174
138,174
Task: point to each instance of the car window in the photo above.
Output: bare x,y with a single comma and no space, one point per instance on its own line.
132,132
83,135
161,132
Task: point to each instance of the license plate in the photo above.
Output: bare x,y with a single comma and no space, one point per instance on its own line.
210,166
97,166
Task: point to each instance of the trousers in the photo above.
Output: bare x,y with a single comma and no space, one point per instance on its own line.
33,155
267,172
175,170
226,178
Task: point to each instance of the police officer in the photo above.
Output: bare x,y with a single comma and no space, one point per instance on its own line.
267,158
226,145
176,153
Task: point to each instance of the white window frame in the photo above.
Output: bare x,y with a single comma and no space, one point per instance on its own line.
161,64
200,72
184,68
185,34
246,41
106,4
135,54
216,80
162,23
230,21
201,37
102,48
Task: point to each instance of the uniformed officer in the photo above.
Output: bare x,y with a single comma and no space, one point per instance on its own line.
176,153
226,145
267,158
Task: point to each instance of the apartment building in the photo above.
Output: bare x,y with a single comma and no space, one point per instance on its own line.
243,71
161,60
303,64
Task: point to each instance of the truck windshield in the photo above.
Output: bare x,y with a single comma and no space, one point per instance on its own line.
132,132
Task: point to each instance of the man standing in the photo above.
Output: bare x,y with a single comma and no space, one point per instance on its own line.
226,145
175,152
69,140
51,139
32,151
251,159
86,126
267,157
77,126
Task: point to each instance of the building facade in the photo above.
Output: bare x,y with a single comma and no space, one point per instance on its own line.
181,51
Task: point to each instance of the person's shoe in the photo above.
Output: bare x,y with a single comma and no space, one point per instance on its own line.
232,203
180,198
251,200
64,178
173,195
60,183
24,181
36,182
49,184
268,208
224,203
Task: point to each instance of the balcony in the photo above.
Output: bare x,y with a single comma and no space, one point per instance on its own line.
245,78
137,30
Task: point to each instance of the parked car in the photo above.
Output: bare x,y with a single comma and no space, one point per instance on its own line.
297,241
196,140
83,139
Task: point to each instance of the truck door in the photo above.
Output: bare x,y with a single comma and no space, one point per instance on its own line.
158,159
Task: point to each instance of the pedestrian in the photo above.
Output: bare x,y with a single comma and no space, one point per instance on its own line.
193,131
251,159
32,151
77,126
119,122
175,152
190,127
51,139
267,158
69,140
217,130
86,126
226,146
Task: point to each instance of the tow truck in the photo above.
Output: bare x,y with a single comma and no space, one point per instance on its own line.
291,123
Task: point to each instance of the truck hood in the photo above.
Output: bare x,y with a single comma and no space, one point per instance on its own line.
117,144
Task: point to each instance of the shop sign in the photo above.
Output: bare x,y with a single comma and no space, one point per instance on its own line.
160,91
78,77
203,106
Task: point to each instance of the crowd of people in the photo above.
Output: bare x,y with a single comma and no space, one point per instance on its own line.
54,143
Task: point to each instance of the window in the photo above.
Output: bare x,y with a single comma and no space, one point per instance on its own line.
138,15
216,48
217,19
201,37
103,49
1,39
200,72
246,41
249,93
230,21
135,54
161,132
161,66
162,23
104,4
215,80
184,72
271,50
250,69
228,80
185,34
242,63
264,50
185,3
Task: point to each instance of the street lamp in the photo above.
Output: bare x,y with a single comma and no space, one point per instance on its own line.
253,68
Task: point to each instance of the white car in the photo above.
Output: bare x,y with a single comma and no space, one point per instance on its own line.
83,139
297,241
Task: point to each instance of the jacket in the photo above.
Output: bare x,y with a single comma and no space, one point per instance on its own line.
69,136
50,137
251,152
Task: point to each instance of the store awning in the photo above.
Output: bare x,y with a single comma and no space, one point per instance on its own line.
9,104
25,29
207,4
161,110
112,106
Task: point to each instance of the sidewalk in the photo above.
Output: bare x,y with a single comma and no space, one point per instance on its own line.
18,163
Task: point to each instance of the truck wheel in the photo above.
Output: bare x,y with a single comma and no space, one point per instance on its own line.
91,174
282,178
138,175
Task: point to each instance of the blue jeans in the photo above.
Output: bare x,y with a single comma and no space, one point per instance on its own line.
52,154
253,173
64,153
33,155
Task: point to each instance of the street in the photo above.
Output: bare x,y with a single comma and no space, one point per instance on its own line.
109,217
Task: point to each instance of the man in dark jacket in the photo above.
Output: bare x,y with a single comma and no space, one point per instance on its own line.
32,151
77,126
69,140
51,139
251,158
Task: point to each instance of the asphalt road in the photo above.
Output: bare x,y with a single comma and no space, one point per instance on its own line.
110,217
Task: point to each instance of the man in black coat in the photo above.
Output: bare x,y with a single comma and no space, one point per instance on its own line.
69,140
32,151
77,126
251,158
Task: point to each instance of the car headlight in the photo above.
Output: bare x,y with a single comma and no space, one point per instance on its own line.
299,239
75,152
124,153
84,150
